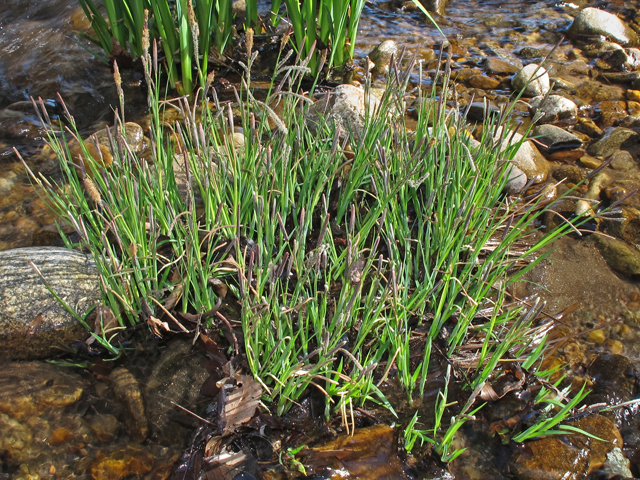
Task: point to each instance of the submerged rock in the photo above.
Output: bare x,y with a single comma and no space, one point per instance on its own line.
30,389
177,377
619,255
592,22
122,463
33,324
533,80
614,139
569,457
127,391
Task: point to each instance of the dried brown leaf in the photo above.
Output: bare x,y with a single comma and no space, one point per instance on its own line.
238,403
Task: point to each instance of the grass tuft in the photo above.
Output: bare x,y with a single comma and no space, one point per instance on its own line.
354,254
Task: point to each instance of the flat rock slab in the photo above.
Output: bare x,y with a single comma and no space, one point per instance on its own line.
32,322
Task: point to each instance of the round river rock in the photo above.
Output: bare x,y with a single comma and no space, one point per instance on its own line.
33,324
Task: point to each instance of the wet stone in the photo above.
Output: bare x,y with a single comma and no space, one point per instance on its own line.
611,112
591,91
625,59
121,463
15,440
614,139
30,389
179,376
553,108
437,6
105,427
549,459
479,110
129,395
592,22
619,255
484,82
588,127
566,156
381,56
614,378
627,227
532,79
552,138
500,66
530,52
569,457
623,161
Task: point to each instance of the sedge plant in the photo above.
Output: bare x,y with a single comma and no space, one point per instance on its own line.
345,245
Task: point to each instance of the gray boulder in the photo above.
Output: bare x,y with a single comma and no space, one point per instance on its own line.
592,22
33,324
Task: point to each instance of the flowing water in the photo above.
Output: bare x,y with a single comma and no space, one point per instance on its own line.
41,55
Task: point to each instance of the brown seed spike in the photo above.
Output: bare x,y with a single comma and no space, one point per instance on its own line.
91,189
249,41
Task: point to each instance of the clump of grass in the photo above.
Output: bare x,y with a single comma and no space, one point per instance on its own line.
188,29
349,251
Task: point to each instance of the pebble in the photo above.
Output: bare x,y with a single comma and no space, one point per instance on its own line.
121,463
597,336
623,161
533,80
484,82
554,108
346,107
588,127
617,464
593,21
499,66
614,346
614,139
552,138
620,256
516,180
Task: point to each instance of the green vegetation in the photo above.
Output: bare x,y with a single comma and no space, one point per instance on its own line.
351,250
187,30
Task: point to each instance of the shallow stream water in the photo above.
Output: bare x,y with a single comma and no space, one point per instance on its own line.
41,55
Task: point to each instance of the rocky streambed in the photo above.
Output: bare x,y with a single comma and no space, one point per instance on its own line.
108,421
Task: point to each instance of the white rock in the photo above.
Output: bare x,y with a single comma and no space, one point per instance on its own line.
533,79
